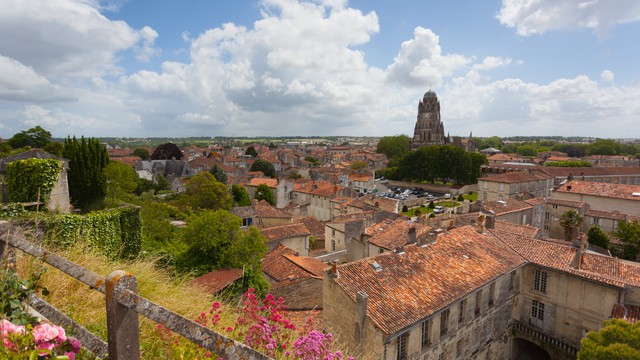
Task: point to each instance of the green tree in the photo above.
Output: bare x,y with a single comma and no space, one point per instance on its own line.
142,153
167,151
121,179
55,148
251,151
218,173
357,165
35,137
240,195
203,191
431,205
405,208
394,147
5,149
266,167
527,150
571,220
86,179
617,340
264,193
597,237
629,234
294,175
312,160
603,147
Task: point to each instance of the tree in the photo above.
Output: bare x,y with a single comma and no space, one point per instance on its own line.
142,153
629,234
205,192
460,197
251,151
431,205
264,193
266,167
86,179
218,173
121,179
603,147
55,148
597,237
272,146
405,208
167,151
394,147
35,137
617,340
357,165
571,221
312,160
294,175
526,150
240,195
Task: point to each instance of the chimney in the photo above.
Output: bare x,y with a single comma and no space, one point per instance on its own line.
480,223
580,246
361,315
431,237
334,269
400,250
411,235
490,221
568,187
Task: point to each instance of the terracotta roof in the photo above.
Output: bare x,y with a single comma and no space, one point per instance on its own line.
535,201
127,160
593,171
315,226
511,228
630,313
460,262
517,177
217,280
567,203
319,188
391,235
263,209
272,183
619,191
360,177
119,152
285,231
614,215
285,267
505,206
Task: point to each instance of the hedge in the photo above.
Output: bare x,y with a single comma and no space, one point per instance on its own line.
26,177
117,233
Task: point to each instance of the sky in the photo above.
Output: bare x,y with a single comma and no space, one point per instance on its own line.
166,68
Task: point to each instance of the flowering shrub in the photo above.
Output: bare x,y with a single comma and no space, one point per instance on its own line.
43,341
264,326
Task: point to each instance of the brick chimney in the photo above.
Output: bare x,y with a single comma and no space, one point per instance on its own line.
490,220
480,223
334,270
581,247
411,235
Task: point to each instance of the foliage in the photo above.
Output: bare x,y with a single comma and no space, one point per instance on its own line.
394,147
526,150
294,175
251,151
431,205
617,340
266,167
240,195
629,234
491,142
121,179
12,211
439,163
116,233
314,161
28,179
570,220
215,240
87,183
5,149
35,137
203,191
405,208
15,291
55,148
568,164
460,197
167,151
597,237
218,173
42,341
142,153
264,193
357,165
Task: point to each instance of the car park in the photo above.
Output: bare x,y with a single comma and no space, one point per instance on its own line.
438,210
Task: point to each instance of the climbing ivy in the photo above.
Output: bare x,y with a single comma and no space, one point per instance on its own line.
25,177
116,233
12,210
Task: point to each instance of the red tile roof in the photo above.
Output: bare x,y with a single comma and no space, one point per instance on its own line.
217,280
315,226
285,231
630,313
619,191
319,188
456,265
517,177
614,215
285,267
391,235
511,228
128,160
506,206
272,183
567,203
263,209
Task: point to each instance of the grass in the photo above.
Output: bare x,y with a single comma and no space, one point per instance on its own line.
447,203
471,197
412,211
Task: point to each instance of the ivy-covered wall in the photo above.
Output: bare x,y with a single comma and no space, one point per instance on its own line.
117,232
24,178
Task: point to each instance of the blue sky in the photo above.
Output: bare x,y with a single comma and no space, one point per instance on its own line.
135,68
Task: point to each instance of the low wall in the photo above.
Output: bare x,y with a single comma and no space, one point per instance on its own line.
435,188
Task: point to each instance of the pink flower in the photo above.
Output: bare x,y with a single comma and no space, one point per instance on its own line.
75,344
70,354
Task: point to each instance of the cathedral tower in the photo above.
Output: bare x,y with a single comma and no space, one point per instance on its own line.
429,129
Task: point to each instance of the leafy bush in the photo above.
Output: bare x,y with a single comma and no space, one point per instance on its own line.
26,179
12,210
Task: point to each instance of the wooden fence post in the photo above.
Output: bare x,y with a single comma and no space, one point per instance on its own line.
122,323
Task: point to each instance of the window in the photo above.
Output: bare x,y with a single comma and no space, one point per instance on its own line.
501,187
555,206
540,281
333,232
547,216
492,293
537,310
333,245
462,309
426,340
459,349
489,329
402,347
380,250
512,280
444,322
546,227
474,340
478,302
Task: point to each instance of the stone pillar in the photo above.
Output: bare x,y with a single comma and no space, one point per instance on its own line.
122,323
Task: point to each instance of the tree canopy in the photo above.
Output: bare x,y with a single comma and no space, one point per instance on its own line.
240,195
218,173
87,182
266,167
252,151
617,340
142,153
264,193
205,192
394,147
167,151
628,232
571,221
598,237
121,179
36,137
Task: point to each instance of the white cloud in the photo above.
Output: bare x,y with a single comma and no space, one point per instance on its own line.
21,83
146,51
420,61
607,75
532,17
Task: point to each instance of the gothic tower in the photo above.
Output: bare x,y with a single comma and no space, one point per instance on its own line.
429,129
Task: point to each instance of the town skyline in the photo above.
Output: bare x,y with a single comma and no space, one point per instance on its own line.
299,68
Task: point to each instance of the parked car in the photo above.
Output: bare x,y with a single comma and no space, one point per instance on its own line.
430,197
447,196
438,210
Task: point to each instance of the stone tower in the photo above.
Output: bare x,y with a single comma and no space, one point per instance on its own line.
429,129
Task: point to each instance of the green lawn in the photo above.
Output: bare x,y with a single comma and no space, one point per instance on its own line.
448,203
412,211
473,197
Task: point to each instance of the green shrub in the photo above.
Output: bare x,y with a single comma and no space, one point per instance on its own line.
12,210
26,179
